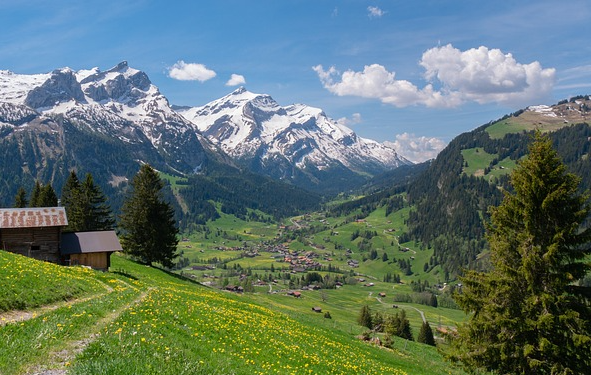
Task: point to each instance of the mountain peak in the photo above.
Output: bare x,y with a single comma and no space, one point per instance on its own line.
239,90
122,66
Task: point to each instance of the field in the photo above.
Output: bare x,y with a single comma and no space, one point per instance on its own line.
141,320
478,161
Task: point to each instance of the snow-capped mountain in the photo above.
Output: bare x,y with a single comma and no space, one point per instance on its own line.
117,118
291,142
120,103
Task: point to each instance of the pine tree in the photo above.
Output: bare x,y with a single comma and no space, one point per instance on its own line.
404,329
529,314
70,200
97,213
20,201
365,319
86,205
34,202
426,335
47,197
147,221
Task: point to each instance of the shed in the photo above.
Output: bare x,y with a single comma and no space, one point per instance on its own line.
91,249
317,309
33,232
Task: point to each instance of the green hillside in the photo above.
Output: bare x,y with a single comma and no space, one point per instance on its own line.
141,320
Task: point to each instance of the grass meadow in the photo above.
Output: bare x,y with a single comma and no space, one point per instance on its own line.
142,320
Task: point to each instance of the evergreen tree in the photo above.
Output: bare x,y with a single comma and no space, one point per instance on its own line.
404,329
378,322
529,314
86,205
70,200
149,232
47,197
97,214
34,202
365,318
426,335
20,201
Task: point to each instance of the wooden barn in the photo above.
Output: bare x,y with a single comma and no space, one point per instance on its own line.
37,233
33,232
91,249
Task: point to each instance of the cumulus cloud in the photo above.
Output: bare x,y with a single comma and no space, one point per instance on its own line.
480,75
375,82
417,149
375,12
190,72
235,80
355,119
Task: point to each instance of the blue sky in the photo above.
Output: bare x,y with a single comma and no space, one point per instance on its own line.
416,73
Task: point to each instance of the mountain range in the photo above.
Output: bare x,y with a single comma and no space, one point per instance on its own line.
111,121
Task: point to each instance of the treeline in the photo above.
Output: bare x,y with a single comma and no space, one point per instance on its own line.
239,193
86,206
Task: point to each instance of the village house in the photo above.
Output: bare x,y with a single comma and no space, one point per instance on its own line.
37,233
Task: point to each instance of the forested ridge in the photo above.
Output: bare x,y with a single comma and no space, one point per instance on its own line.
450,207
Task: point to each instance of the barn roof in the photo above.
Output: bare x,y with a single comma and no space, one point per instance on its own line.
90,242
33,217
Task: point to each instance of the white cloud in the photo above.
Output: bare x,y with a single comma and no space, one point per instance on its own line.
375,12
375,82
190,72
355,119
480,75
487,75
235,80
417,149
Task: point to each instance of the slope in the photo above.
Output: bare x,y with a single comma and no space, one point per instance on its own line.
147,321
450,199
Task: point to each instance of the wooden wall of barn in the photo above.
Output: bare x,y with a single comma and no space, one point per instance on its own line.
99,261
39,243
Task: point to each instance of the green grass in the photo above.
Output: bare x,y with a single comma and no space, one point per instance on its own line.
500,128
477,160
152,322
26,283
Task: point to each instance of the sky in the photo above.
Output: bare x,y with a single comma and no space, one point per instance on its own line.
414,74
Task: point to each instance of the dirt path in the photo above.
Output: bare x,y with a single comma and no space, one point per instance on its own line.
14,316
60,359
410,307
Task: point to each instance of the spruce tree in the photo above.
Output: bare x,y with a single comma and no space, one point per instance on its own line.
97,214
529,314
20,201
70,200
404,329
86,205
426,335
47,197
365,319
149,231
34,202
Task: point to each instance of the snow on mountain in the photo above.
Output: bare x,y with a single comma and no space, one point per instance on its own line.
297,143
120,102
248,126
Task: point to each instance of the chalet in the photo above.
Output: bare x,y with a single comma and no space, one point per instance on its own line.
91,249
317,309
37,233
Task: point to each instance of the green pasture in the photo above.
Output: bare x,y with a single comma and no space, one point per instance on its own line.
142,320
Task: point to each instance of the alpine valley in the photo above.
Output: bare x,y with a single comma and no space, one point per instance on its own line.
108,122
